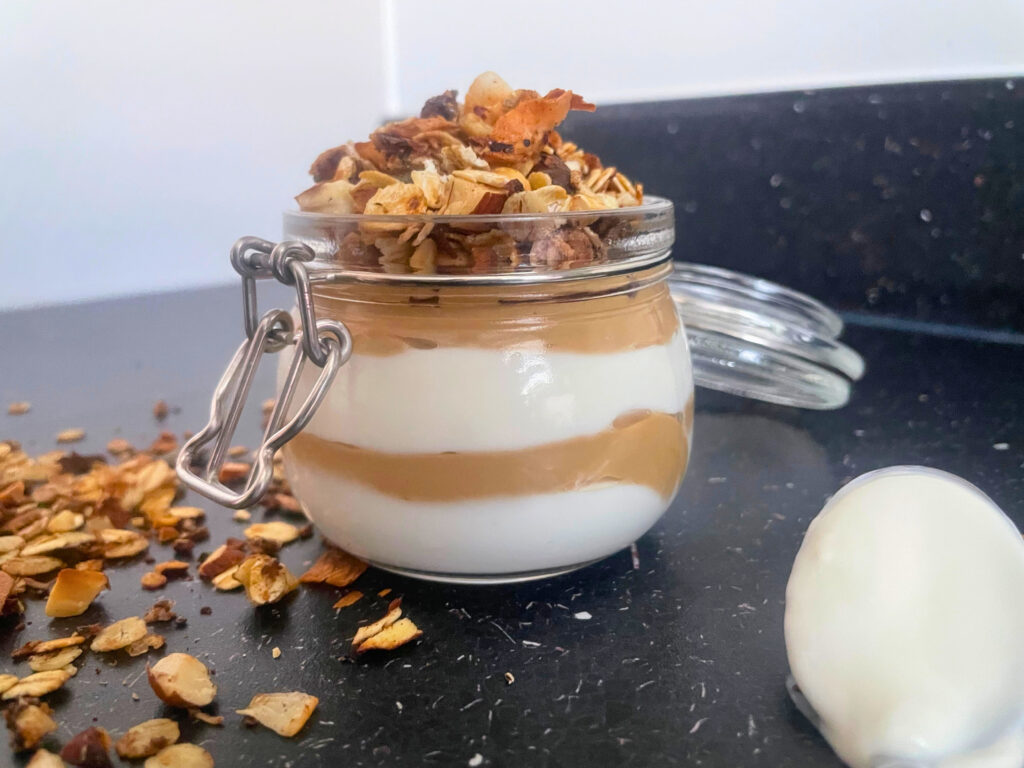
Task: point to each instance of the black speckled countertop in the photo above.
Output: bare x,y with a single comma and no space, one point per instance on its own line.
680,661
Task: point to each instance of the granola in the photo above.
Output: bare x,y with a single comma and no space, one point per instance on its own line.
498,152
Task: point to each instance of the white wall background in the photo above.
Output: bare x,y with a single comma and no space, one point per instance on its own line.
138,140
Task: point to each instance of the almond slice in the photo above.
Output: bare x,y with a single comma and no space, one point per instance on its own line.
6,681
365,633
119,635
283,713
181,680
226,581
401,632
335,567
74,591
180,756
11,543
147,738
221,559
44,662
276,530
37,684
266,579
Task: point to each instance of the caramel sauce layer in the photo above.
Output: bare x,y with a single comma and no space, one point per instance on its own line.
640,448
599,315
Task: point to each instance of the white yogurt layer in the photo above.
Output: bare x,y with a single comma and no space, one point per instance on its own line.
464,399
503,535
905,623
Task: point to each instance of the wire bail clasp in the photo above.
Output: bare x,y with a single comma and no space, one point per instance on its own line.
326,343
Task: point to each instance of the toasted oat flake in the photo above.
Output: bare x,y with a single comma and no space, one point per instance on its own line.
401,632
70,435
45,544
283,713
34,647
182,680
6,681
242,516
335,567
45,662
368,631
118,543
281,532
65,521
180,756
349,598
119,445
73,591
119,635
30,566
147,738
266,579
37,684
18,408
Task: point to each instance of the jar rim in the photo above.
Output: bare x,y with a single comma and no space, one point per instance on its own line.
649,233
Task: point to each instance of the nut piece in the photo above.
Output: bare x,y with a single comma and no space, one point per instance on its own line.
398,634
283,713
19,407
147,738
223,557
44,662
119,634
70,435
180,756
161,610
181,680
365,633
334,567
44,759
88,749
29,722
145,644
152,580
276,530
266,579
38,684
74,591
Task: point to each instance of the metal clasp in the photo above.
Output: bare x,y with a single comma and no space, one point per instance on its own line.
326,343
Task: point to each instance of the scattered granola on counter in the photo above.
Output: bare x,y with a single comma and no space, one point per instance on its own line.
496,153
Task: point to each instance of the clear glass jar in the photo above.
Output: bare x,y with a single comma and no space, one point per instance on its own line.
495,398
518,405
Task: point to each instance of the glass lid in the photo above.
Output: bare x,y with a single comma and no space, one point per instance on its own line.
754,338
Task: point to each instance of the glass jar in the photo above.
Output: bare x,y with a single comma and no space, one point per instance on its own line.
496,398
518,408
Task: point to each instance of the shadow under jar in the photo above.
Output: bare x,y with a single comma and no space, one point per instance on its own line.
519,398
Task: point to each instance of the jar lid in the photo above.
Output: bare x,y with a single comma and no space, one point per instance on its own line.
754,338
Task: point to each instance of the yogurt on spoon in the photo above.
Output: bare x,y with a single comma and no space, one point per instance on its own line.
905,624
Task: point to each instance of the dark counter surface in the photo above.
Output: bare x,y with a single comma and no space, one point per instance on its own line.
681,661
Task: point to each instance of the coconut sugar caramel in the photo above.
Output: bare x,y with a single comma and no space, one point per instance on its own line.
488,429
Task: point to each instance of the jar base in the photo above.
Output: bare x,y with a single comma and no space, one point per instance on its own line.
485,579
